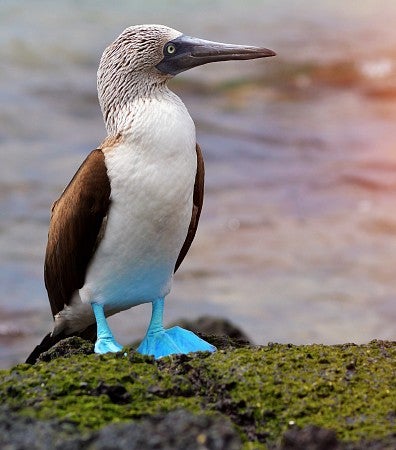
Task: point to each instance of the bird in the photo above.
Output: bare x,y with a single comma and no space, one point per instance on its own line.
125,222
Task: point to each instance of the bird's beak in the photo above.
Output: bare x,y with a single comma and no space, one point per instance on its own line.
186,52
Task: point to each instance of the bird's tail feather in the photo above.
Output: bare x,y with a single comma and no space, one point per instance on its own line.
50,340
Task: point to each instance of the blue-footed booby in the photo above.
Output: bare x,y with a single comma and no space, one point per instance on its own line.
126,220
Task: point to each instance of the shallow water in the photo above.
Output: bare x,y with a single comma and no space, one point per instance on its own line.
297,240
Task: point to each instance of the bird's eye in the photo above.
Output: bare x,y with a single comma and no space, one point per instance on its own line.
170,49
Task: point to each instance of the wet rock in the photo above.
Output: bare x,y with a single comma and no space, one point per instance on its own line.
22,433
318,438
309,438
214,325
258,389
224,342
177,430
66,348
116,392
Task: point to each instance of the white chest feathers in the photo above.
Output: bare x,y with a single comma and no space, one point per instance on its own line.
152,176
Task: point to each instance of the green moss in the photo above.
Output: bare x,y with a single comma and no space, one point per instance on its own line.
263,390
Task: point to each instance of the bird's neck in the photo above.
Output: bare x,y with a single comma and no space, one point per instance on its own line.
121,105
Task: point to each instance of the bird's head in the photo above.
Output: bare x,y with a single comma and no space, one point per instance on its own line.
144,57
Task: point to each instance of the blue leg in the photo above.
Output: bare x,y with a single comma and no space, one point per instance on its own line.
160,342
105,341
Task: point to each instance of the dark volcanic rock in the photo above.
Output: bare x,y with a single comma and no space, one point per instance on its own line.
116,392
22,433
214,325
68,347
310,438
177,430
317,438
345,392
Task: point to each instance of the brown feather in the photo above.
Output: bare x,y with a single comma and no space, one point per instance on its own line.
76,223
197,207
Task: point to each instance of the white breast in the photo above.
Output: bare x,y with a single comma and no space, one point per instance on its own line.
152,176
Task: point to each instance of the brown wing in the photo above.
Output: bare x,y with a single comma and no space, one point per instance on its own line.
197,207
75,226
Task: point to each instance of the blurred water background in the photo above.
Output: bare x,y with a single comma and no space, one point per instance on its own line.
297,240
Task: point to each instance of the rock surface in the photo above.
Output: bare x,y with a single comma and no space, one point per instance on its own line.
270,397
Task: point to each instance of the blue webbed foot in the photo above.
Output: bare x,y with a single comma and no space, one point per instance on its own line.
173,341
105,342
107,345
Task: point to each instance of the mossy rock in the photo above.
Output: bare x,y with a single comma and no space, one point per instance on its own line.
266,392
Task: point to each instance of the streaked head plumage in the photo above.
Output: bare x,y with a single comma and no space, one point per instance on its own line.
127,67
143,57
137,49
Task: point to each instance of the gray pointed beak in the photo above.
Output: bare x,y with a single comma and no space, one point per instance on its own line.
186,52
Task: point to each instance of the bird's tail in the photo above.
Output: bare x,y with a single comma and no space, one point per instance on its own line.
50,340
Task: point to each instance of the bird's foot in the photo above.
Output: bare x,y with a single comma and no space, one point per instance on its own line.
172,341
107,345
